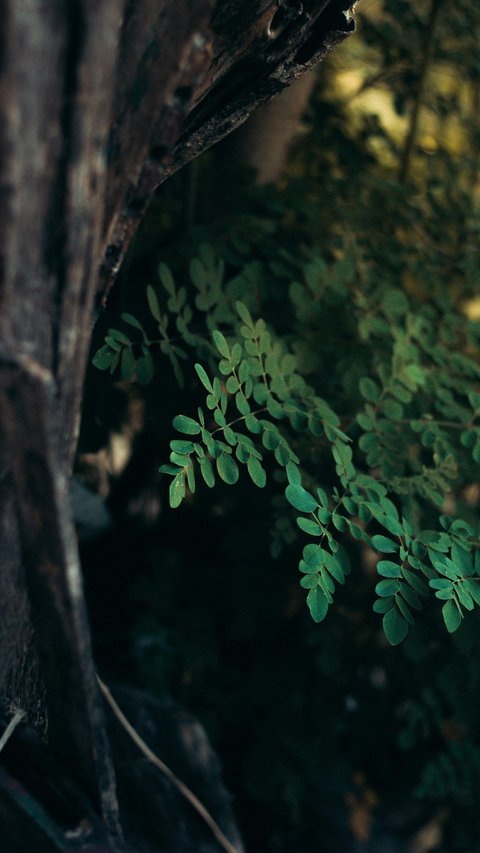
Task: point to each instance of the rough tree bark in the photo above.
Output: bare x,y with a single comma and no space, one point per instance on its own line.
99,103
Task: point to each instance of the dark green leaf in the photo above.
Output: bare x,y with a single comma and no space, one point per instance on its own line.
177,490
127,364
451,616
388,569
309,526
153,304
103,358
387,587
383,605
257,473
221,344
186,425
369,389
227,468
384,544
132,321
317,603
204,378
299,498
395,626
145,369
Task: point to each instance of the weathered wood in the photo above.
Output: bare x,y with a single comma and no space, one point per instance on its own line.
99,103
53,577
249,52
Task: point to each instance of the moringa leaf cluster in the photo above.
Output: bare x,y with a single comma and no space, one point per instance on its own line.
359,400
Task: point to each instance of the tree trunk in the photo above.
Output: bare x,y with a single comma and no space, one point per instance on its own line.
99,103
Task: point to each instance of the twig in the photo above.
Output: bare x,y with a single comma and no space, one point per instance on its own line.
16,719
184,789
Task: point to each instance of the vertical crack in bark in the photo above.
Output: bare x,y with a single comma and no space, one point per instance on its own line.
56,225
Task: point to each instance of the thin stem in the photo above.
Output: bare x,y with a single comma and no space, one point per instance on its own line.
179,785
239,420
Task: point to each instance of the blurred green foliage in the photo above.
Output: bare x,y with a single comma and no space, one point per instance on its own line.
332,319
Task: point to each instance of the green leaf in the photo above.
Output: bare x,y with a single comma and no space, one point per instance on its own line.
113,343
387,587
404,610
206,471
395,626
244,314
392,409
103,358
204,378
369,389
401,393
242,403
230,436
227,468
153,304
339,521
309,526
411,596
317,603
282,454
221,344
170,469
271,438
186,425
313,554
177,490
132,321
232,385
225,367
181,446
473,587
275,409
257,473
145,369
394,302
440,583
220,418
191,477
416,374
365,421
299,498
115,362
383,605
384,544
451,616
293,474
127,364
309,581
388,569
391,523
334,566
445,594
415,582
119,336
468,438
166,278
252,423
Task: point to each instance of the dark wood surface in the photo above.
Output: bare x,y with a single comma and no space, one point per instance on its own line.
99,103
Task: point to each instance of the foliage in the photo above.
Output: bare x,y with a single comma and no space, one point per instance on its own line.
323,334
405,438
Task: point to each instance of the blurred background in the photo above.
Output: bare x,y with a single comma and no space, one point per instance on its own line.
330,739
